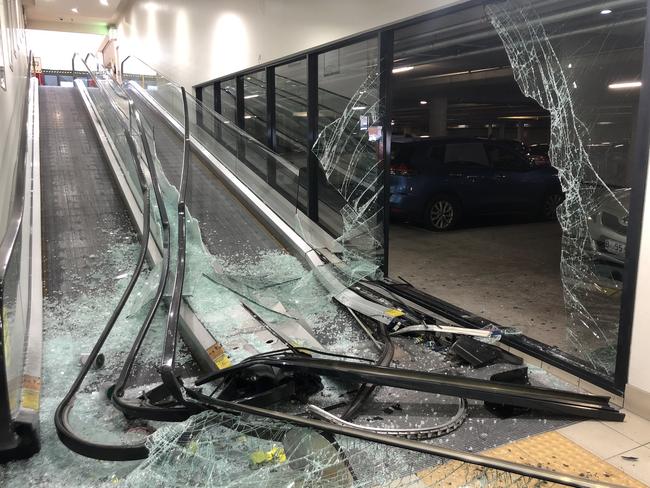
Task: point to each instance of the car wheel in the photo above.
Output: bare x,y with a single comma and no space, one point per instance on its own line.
443,213
550,204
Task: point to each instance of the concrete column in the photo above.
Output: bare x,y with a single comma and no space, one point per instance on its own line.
438,117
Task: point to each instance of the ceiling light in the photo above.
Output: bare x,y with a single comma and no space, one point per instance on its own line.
424,137
104,2
423,102
75,10
248,116
359,107
605,11
401,69
523,117
624,85
604,122
251,96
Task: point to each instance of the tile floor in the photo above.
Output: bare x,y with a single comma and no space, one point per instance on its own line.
625,445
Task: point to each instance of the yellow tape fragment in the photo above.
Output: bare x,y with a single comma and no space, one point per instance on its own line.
393,312
276,455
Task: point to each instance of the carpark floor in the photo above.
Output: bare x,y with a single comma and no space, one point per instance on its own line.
507,272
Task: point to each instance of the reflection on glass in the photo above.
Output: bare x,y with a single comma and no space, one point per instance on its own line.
207,96
291,127
229,99
255,105
228,90
515,113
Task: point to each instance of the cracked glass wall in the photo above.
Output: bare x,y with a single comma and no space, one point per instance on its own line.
513,135
350,188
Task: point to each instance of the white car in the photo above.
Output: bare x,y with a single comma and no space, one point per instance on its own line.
608,229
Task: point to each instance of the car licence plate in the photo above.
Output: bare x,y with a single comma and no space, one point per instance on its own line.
615,247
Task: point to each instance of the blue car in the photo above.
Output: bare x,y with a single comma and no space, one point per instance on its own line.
439,181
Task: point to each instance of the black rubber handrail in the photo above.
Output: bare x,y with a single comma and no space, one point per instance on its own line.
64,430
122,452
168,362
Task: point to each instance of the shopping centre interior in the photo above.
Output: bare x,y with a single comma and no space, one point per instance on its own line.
283,243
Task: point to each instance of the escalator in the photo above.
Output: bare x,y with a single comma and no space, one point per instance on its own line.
82,210
211,202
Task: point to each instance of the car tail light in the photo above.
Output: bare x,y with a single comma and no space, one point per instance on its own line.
401,170
539,160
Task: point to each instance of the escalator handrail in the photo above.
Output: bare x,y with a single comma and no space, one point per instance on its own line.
168,361
7,248
8,242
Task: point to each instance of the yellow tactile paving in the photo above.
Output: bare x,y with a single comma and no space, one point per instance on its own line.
550,450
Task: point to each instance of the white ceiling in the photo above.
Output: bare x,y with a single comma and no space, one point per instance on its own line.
90,11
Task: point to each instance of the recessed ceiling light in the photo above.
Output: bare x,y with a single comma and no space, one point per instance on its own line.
424,137
423,102
75,10
359,107
252,96
605,11
401,69
624,85
104,2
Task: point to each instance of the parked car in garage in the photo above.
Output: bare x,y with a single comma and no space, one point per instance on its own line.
608,230
439,181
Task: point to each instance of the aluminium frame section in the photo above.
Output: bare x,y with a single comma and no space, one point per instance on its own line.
22,430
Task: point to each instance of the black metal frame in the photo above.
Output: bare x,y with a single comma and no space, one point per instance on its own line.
385,35
312,135
637,199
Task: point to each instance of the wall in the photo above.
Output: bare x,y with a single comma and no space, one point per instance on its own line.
192,44
56,48
638,390
11,107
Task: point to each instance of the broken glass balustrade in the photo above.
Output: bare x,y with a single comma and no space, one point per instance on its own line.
584,67
349,152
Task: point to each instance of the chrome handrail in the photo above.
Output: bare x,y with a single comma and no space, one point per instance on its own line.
8,437
17,207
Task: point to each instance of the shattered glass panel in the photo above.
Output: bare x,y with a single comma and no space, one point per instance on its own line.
348,149
584,67
222,450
